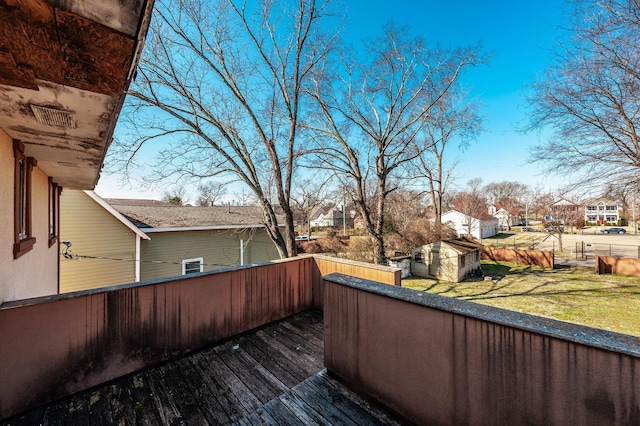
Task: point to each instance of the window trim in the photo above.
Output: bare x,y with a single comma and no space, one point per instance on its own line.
200,260
54,211
23,242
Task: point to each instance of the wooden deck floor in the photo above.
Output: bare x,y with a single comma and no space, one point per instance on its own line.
273,375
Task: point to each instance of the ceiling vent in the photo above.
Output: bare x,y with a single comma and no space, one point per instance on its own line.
53,117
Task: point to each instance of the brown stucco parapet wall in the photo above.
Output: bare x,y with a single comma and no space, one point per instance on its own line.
438,360
616,265
544,259
51,347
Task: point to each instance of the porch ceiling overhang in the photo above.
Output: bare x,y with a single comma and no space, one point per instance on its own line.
64,68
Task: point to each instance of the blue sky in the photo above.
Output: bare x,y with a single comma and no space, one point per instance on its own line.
519,36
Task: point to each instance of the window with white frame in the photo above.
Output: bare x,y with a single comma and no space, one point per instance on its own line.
192,266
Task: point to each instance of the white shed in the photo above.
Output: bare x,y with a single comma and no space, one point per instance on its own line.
448,260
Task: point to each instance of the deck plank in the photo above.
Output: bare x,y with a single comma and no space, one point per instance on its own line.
141,399
164,402
100,406
281,414
304,411
208,401
264,385
121,406
184,399
270,360
238,396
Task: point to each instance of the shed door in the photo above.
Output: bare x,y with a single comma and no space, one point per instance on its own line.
434,262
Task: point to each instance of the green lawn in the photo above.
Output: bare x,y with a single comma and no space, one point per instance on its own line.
577,295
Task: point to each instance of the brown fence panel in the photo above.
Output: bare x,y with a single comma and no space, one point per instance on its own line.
544,259
55,346
617,265
443,361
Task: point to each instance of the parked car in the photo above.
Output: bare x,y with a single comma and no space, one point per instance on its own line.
614,231
554,229
529,229
302,238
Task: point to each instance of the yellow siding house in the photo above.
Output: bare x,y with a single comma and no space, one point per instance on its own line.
105,246
121,241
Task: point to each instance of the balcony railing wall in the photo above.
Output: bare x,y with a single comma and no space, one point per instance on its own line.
54,346
437,360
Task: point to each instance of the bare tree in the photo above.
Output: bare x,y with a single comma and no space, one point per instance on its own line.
245,198
222,81
307,195
453,117
471,204
211,192
506,192
176,196
373,109
589,96
510,196
563,216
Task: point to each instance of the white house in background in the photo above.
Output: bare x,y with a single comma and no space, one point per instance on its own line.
602,211
317,214
333,217
482,227
507,217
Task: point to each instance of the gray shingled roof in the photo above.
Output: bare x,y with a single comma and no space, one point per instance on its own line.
163,216
136,202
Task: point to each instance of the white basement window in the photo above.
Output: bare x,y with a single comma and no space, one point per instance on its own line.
192,266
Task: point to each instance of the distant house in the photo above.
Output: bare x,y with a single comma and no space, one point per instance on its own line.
484,226
316,216
331,218
123,241
564,207
448,260
507,216
602,210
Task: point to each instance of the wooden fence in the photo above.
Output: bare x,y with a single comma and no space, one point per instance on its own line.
544,259
617,265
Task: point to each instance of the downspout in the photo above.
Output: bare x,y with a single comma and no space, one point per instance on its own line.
137,262
241,252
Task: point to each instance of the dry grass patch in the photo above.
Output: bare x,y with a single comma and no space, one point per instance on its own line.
576,295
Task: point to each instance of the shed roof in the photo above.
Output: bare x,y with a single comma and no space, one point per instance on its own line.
463,244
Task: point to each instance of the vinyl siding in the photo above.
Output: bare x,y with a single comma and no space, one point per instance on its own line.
93,231
162,256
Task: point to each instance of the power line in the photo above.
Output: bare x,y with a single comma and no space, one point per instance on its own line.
73,256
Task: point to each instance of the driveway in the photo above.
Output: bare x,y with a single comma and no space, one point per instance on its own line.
625,245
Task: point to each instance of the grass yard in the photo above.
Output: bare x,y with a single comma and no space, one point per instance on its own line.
576,295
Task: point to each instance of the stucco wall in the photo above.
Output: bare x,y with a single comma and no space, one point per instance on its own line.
35,273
